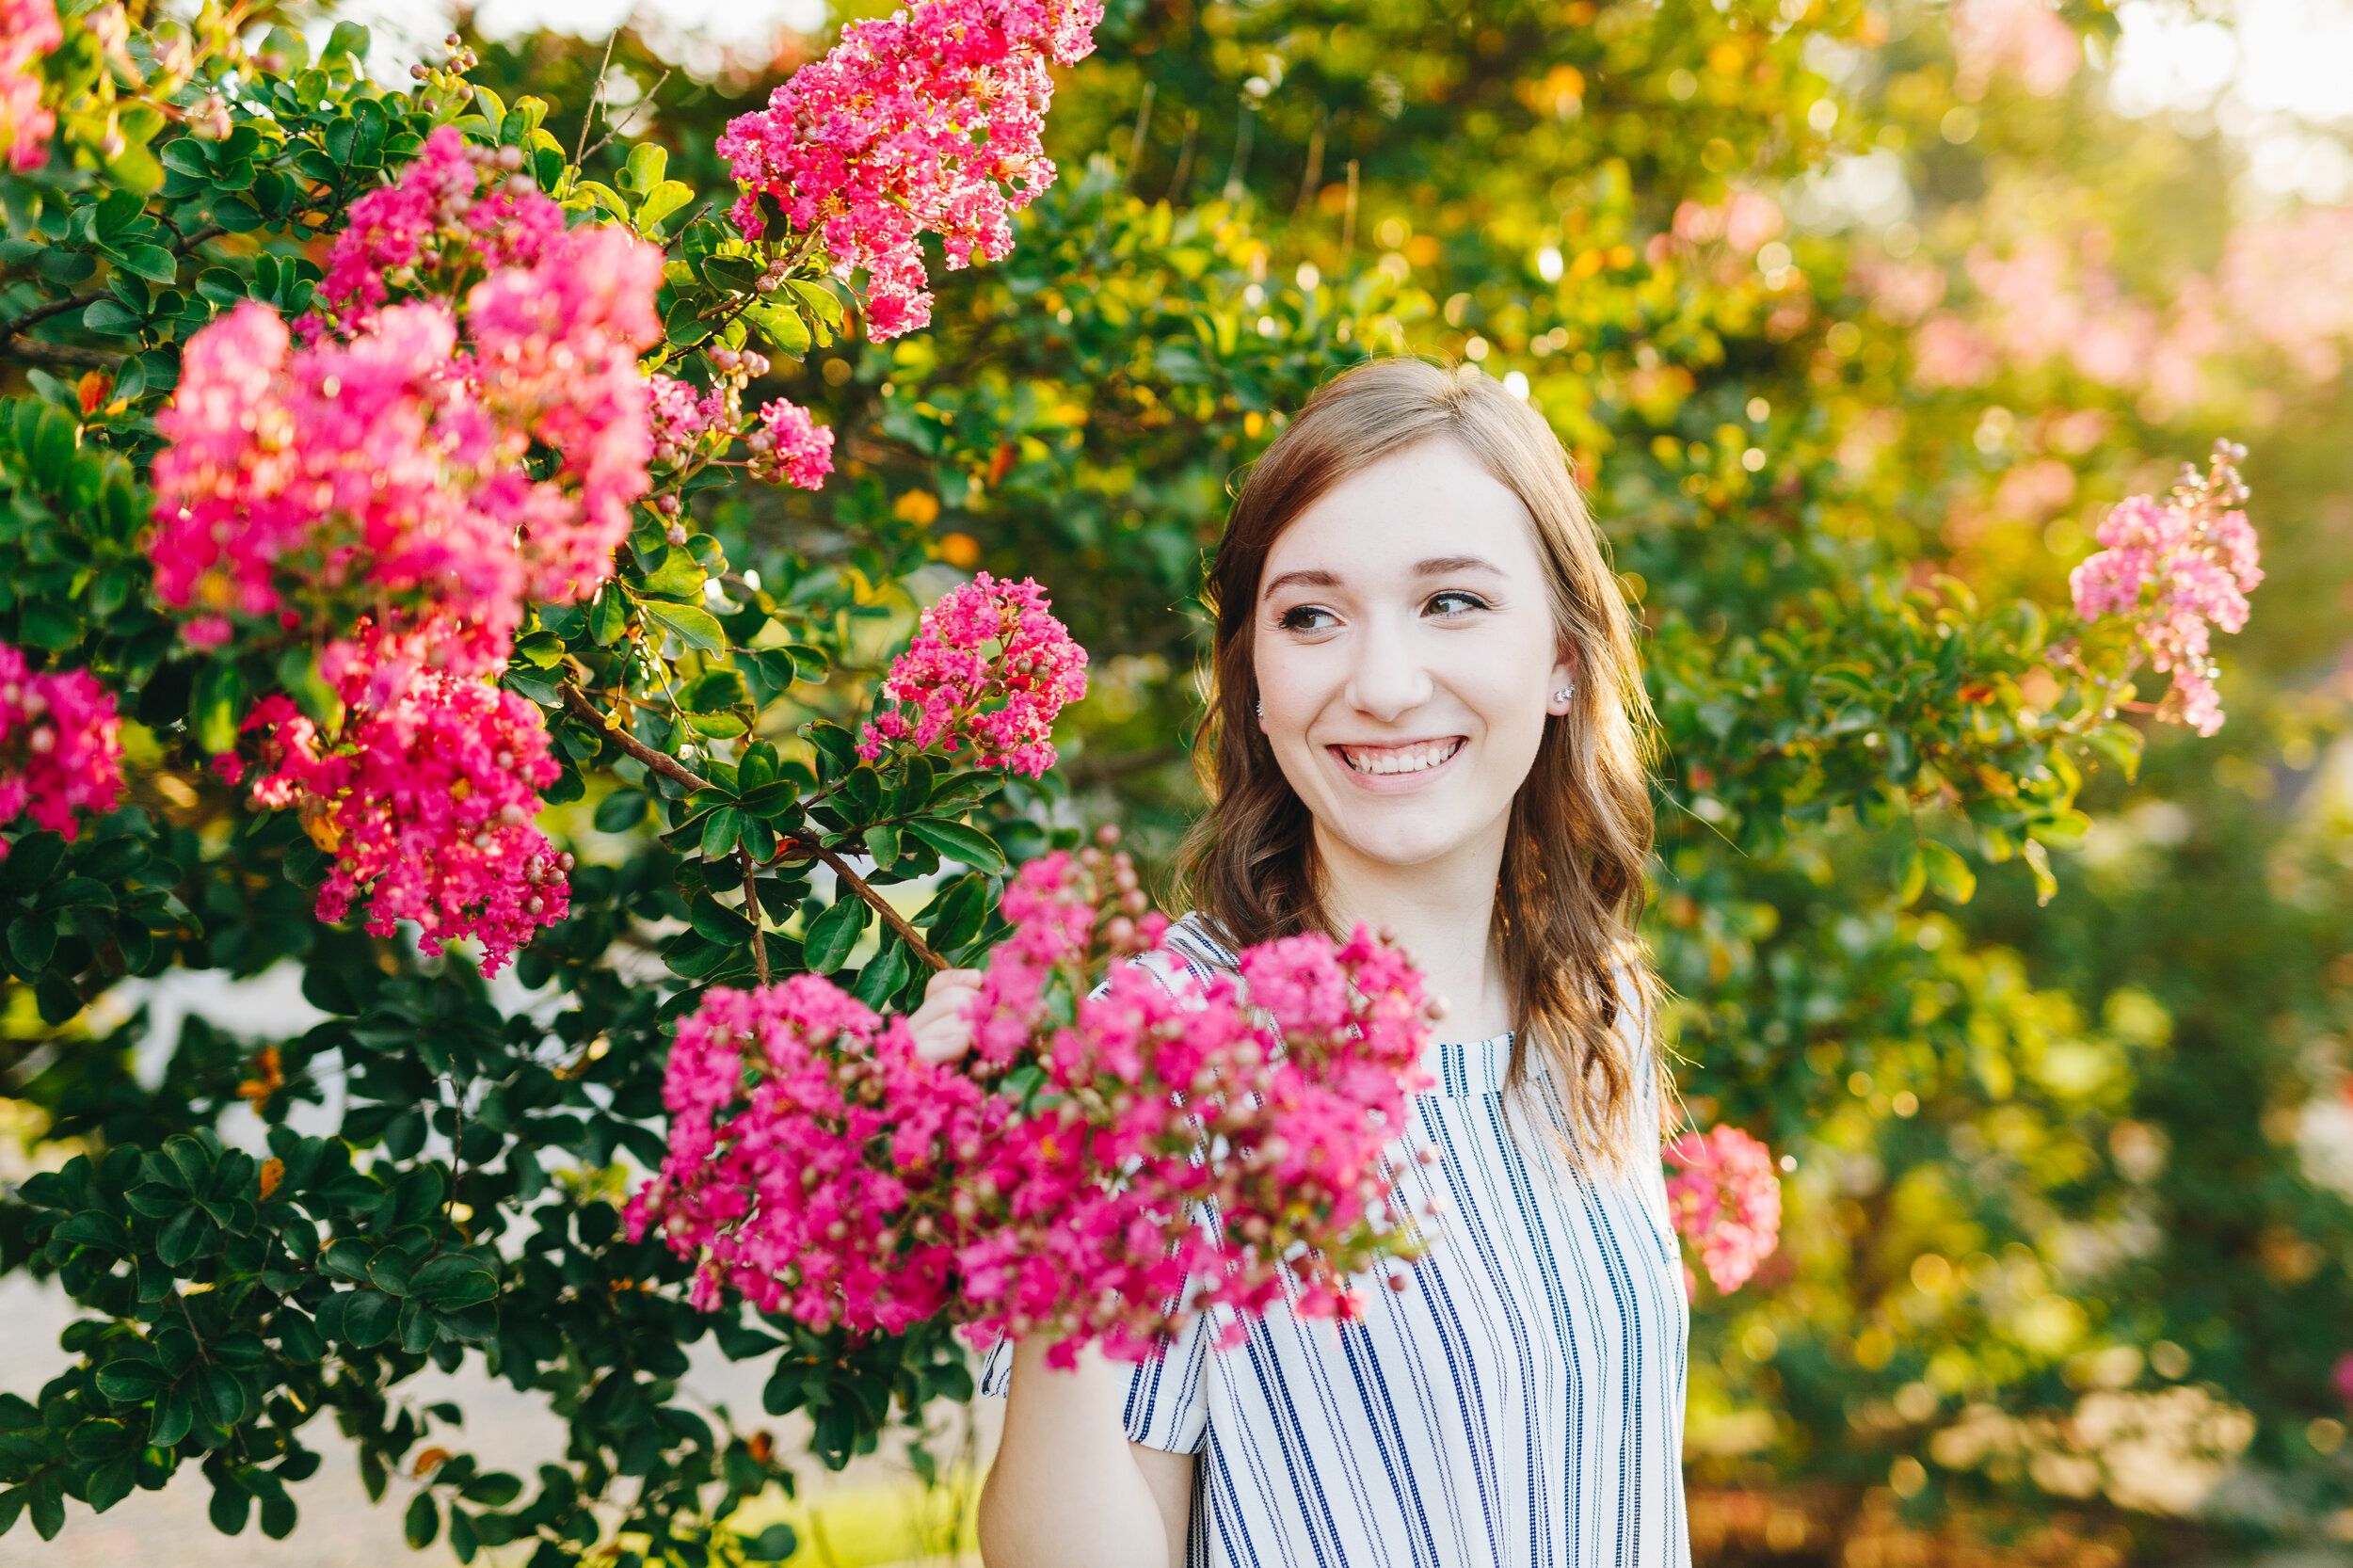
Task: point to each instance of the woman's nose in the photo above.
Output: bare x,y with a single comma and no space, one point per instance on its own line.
1389,679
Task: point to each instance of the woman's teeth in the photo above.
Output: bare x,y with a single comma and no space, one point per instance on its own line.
1411,758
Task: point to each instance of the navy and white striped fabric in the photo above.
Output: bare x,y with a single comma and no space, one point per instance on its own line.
1520,1402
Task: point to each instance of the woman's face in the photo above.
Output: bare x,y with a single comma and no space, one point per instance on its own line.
1406,657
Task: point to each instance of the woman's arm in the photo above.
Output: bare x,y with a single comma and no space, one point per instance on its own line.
1067,1489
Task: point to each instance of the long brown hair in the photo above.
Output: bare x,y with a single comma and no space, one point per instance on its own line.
1570,888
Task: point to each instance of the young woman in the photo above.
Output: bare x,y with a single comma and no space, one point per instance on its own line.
1426,716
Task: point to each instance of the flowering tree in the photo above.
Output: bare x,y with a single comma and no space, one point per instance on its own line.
512,590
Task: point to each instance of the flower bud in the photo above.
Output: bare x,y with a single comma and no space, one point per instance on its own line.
510,158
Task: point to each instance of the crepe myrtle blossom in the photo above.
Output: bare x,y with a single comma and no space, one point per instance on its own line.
60,745
28,30
1725,1201
927,120
1190,1153
2175,570
424,798
385,471
456,213
954,692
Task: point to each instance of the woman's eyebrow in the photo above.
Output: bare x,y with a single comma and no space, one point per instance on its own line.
1443,565
1309,577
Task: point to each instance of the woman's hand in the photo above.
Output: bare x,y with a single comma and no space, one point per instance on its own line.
941,1031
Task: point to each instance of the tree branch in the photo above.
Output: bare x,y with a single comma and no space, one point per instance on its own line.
180,247
794,848
60,353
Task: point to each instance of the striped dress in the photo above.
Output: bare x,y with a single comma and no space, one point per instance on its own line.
1520,1402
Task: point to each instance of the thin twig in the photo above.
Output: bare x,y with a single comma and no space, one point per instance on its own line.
1144,123
596,100
1347,224
873,900
615,128
751,912
793,848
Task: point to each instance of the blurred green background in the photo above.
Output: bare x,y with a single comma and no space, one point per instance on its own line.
1819,294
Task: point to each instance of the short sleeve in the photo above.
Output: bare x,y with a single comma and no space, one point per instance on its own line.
1167,1404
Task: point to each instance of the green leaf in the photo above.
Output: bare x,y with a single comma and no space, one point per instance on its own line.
371,1318
219,1396
781,324
833,934
622,810
2039,861
1911,876
218,707
608,618
719,832
31,939
957,841
772,1545
649,164
150,262
713,692
30,863
1948,873
180,1241
175,1414
422,1521
718,922
696,627
664,199
111,318
298,673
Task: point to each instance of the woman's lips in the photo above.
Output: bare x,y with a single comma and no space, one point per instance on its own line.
1397,767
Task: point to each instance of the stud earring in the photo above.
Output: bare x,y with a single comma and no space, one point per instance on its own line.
1259,708
1565,692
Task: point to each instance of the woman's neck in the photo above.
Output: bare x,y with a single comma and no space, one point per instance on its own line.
1442,914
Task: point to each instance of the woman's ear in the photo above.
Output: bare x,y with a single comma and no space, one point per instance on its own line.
1560,687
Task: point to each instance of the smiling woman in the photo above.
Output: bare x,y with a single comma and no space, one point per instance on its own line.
1427,717
1417,626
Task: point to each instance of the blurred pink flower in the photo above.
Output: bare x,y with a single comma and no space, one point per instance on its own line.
28,30
2021,38
1725,1200
60,745
2176,569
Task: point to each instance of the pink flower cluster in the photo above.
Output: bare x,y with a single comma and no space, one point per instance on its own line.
791,447
1725,1200
425,798
2344,1378
787,445
947,679
457,211
28,30
2284,285
2177,569
1190,1152
60,745
927,120
385,471
2022,39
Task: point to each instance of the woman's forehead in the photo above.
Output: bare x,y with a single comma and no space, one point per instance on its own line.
1430,510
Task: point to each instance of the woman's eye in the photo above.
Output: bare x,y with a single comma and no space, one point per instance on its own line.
1455,604
1306,617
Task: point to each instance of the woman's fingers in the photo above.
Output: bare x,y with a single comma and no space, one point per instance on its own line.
939,1028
